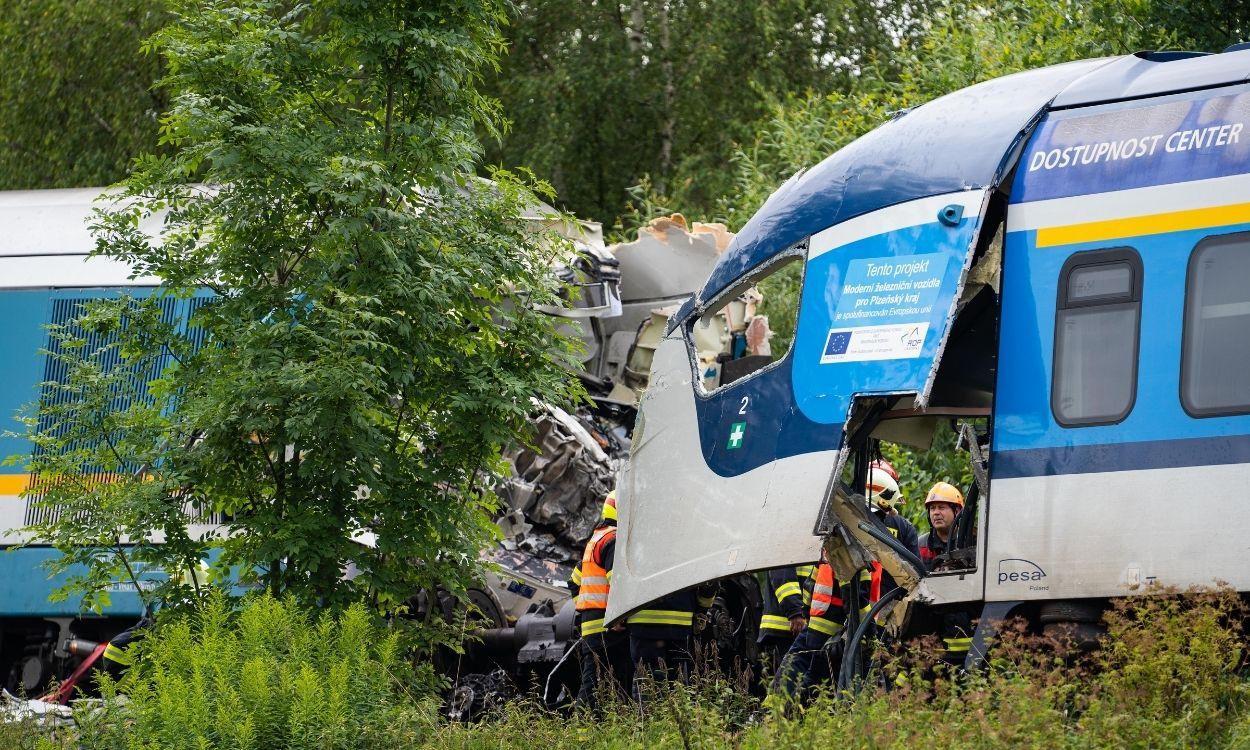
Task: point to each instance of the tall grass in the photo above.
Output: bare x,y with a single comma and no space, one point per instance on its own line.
1170,674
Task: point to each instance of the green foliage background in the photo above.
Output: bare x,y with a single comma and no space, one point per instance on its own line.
368,314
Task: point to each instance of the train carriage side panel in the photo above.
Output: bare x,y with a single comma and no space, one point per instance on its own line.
44,269
1103,481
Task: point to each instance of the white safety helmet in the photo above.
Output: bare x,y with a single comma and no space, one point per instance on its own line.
883,491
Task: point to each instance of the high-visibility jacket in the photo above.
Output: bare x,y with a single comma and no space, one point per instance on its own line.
878,581
828,613
593,579
672,616
787,595
119,654
957,634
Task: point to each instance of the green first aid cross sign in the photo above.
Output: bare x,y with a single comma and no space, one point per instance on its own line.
737,431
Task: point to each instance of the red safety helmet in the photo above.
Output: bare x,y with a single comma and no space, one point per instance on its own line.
885,466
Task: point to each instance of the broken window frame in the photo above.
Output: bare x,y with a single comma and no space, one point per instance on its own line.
795,254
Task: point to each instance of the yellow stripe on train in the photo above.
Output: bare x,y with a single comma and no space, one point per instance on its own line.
13,484
1135,226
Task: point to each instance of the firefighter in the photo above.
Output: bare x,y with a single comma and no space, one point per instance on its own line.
660,634
884,497
944,503
786,599
604,652
807,661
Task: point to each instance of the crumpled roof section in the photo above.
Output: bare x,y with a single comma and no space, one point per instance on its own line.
960,141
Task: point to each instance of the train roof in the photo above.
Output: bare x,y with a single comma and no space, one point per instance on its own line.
45,241
965,140
46,222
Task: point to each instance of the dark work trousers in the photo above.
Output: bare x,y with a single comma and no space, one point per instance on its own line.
772,649
804,665
663,659
605,662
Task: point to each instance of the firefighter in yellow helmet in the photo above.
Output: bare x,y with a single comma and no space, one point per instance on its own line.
604,652
943,505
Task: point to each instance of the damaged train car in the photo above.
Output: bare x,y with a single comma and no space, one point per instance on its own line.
1060,260
552,500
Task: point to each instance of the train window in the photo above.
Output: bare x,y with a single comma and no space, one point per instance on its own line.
1097,322
1215,358
750,327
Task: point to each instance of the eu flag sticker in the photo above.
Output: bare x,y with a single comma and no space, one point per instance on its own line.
837,343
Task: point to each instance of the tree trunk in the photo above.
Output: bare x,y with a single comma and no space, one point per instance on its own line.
669,120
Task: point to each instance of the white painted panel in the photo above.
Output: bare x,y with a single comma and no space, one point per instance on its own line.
1122,204
63,271
12,516
680,523
53,222
1112,533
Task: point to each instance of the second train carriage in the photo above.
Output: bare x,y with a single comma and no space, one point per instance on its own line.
1062,254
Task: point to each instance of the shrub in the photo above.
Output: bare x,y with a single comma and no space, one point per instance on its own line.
268,675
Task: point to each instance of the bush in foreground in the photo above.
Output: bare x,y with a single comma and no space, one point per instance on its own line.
269,675
1170,673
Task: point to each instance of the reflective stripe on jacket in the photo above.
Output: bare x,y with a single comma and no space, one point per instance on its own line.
593,576
670,616
828,613
787,594
118,654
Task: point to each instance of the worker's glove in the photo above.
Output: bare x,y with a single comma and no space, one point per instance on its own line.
797,623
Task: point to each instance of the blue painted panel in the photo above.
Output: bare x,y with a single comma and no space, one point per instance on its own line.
1188,137
27,585
1023,418
1135,456
773,426
962,140
919,269
799,405
23,314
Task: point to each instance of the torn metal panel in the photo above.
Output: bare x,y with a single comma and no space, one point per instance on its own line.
733,479
659,270
557,488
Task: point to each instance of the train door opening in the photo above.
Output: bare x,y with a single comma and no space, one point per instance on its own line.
946,438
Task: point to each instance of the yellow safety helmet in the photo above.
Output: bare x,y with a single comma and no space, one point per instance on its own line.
945,493
609,507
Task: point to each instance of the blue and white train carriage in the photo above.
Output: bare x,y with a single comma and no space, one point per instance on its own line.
45,276
1062,254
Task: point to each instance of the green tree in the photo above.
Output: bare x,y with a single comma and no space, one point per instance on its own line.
370,342
605,94
77,101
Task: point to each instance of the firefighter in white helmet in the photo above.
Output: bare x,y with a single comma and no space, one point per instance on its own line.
884,499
